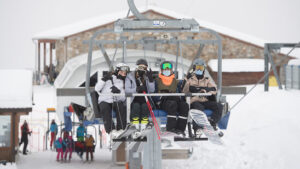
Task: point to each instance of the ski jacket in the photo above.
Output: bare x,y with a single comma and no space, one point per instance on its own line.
69,142
130,84
195,82
53,128
24,132
104,87
89,141
80,131
59,143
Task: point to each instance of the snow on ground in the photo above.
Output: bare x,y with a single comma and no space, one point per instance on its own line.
263,133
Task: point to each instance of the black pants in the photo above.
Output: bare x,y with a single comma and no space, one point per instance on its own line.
214,106
172,107
106,110
139,110
25,141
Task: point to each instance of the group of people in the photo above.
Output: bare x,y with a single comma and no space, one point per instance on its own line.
141,80
66,145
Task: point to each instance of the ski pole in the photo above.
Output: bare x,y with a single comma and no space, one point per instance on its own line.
153,117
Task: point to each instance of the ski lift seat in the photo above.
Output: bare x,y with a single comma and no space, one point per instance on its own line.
162,115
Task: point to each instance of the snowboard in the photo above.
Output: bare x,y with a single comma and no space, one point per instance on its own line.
201,120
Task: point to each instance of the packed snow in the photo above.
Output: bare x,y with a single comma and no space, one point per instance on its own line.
263,133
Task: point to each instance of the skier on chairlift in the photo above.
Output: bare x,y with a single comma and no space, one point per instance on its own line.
140,81
196,82
109,84
167,83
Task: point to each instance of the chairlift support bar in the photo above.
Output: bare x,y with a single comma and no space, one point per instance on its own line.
161,25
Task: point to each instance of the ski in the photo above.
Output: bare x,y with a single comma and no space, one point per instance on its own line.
201,120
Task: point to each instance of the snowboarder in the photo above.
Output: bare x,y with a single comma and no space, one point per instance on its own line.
69,147
89,144
53,132
140,81
80,132
24,136
196,82
113,84
59,143
167,83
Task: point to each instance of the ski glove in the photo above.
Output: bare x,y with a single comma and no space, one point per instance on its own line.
107,77
114,89
141,89
150,75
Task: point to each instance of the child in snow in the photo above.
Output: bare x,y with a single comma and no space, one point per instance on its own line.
59,148
89,143
69,147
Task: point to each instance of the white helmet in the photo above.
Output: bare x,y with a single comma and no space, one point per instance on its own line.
123,67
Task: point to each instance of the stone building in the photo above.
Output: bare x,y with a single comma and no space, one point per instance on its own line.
67,42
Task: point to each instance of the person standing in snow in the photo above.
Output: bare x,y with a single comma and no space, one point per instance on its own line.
24,136
195,82
167,83
59,143
89,144
80,133
69,147
53,132
140,81
111,84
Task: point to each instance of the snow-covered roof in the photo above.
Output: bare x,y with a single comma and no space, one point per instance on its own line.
238,65
60,33
294,62
15,89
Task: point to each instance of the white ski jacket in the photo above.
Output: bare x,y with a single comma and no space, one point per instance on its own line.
105,88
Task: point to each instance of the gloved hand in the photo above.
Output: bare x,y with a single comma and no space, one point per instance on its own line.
107,77
114,89
150,75
141,89
189,75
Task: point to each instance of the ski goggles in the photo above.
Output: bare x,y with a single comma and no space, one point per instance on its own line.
125,68
199,67
142,67
166,66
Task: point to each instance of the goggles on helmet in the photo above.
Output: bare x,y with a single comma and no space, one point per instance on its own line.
125,68
166,66
199,67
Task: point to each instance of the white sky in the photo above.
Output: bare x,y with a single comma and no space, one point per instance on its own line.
271,20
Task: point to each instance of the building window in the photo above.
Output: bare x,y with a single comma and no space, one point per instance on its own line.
5,130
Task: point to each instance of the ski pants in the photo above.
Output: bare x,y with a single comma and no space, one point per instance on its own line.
140,111
59,152
106,110
68,150
89,150
25,141
214,106
174,108
53,137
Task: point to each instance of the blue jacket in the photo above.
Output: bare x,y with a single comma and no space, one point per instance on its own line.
80,131
53,127
59,143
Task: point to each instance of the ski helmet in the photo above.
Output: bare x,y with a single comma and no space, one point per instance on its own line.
199,62
165,65
123,67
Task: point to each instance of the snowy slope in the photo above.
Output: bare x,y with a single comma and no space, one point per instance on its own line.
263,133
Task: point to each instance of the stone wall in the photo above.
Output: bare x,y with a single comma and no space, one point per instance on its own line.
232,48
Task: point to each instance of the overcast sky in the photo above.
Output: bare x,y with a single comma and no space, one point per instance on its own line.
271,20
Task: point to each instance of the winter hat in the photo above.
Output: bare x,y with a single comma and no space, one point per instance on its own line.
141,62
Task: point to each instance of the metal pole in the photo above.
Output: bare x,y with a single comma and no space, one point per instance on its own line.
135,11
39,62
219,94
13,152
124,51
266,51
176,62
